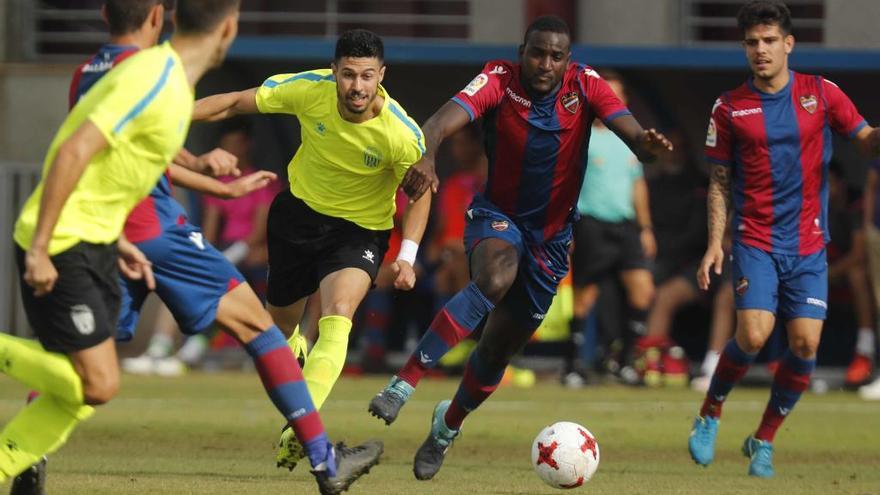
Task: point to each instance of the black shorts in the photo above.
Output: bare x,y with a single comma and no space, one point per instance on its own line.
305,246
605,248
82,309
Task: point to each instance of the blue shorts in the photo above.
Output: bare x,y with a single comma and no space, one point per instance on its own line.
191,278
791,286
541,266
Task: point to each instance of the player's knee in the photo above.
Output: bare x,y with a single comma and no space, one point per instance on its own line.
341,307
99,390
804,347
750,339
494,284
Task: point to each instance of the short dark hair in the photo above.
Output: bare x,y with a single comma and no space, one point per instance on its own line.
127,16
237,124
359,43
201,16
547,23
764,12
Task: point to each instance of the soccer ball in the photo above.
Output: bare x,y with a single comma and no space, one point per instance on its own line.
565,455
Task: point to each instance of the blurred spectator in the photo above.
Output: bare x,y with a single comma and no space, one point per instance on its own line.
872,234
375,314
846,270
614,237
678,210
237,227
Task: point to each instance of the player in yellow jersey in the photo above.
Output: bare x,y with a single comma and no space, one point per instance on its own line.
108,154
328,234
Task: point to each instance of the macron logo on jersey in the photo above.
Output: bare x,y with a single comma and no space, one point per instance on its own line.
746,112
517,98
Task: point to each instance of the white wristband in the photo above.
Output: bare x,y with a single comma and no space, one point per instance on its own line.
408,251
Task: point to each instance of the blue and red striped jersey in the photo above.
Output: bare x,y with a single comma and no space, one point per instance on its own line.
779,146
159,210
537,148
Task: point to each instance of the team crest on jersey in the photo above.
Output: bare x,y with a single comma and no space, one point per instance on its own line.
571,102
742,285
500,225
475,85
809,103
372,157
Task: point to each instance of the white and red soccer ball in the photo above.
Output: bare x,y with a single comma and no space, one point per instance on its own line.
565,455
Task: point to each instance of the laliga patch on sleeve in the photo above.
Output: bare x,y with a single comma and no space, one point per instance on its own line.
712,134
475,85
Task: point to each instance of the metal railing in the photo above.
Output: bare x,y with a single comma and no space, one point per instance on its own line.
53,30
714,21
17,180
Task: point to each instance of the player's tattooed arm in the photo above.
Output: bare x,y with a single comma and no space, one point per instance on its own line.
646,144
719,206
718,202
422,176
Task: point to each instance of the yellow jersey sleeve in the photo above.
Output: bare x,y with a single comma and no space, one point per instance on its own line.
290,93
411,145
128,99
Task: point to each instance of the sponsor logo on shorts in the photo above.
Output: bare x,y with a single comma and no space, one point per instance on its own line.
369,256
197,239
500,225
298,413
809,103
83,319
372,157
475,85
742,285
817,302
539,316
321,128
783,411
571,102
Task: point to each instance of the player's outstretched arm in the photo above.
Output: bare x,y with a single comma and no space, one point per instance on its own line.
217,162
68,166
225,105
422,176
719,205
868,141
645,143
415,219
184,177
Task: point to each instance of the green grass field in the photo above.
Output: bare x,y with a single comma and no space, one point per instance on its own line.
215,434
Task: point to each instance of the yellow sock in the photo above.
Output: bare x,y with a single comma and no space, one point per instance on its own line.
327,357
49,373
38,429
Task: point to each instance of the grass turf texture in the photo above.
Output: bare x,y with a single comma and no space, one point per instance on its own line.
214,434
